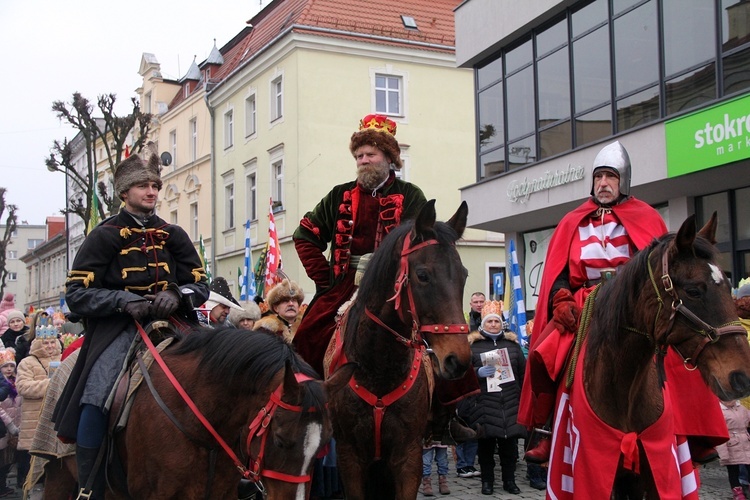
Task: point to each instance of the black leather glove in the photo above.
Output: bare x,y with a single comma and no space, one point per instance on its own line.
165,304
139,309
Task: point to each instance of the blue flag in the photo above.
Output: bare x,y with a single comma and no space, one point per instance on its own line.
247,292
517,310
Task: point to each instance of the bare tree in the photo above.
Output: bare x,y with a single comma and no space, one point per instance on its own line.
112,131
10,227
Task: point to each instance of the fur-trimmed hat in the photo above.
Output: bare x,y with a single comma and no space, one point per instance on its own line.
287,289
380,132
133,170
8,302
250,310
220,294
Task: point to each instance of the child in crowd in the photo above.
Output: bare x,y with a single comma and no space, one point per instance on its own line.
736,451
437,451
10,415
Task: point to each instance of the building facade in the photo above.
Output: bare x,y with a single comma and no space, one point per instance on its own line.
558,80
25,238
292,91
45,266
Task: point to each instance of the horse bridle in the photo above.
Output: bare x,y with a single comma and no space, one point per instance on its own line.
416,341
709,333
257,427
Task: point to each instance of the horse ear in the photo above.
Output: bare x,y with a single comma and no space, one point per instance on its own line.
425,219
709,230
458,221
340,377
686,235
291,386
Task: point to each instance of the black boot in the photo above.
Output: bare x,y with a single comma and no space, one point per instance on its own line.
511,487
86,461
487,488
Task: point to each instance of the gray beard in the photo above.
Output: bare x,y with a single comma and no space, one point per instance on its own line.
371,178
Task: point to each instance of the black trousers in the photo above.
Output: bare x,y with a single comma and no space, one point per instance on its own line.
507,450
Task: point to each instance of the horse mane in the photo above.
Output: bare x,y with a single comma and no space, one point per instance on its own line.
619,299
385,260
250,359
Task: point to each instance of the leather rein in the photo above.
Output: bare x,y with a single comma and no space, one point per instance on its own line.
257,428
709,333
417,342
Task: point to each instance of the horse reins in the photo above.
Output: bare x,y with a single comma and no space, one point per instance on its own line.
257,427
709,333
417,342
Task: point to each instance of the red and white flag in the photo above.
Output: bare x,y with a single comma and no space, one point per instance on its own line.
273,257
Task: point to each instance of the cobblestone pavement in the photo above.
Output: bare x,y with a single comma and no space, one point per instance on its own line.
714,485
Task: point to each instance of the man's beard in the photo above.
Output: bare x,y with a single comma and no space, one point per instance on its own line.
371,176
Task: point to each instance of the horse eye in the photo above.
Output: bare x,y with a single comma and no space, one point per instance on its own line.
423,276
282,442
693,292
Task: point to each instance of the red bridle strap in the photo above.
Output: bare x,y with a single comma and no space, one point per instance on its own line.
380,404
189,402
258,428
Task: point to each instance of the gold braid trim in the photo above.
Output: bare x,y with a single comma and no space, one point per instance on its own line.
199,273
126,270
156,285
583,330
126,251
159,264
86,277
125,232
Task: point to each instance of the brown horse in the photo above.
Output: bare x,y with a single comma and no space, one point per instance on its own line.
380,418
248,385
671,295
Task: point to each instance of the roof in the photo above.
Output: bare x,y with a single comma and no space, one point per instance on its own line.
214,57
193,73
372,22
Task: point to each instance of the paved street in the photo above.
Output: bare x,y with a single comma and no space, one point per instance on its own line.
715,485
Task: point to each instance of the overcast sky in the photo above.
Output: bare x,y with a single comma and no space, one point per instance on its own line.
52,49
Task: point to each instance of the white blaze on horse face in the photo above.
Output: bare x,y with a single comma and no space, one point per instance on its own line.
716,274
310,446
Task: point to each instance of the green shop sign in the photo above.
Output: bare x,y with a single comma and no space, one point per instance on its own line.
711,137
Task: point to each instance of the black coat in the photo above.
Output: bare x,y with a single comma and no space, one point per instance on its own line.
496,412
120,263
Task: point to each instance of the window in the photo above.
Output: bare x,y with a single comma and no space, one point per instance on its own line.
173,217
251,188
194,221
277,169
173,147
388,94
12,276
147,103
277,96
193,139
229,201
33,243
250,116
228,129
12,254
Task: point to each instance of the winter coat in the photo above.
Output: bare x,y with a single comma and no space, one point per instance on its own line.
10,409
10,336
736,451
32,381
496,412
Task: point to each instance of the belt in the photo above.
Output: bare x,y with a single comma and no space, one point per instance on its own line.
605,275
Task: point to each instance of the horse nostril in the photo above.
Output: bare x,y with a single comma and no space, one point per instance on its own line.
740,382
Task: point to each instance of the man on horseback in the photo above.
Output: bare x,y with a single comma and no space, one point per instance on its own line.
284,301
353,218
587,247
132,266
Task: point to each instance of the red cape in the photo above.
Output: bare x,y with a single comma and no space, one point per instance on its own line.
642,224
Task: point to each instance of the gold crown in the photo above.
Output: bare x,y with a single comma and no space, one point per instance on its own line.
7,356
378,122
493,307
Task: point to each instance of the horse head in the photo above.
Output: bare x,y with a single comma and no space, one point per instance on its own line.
705,328
298,426
436,278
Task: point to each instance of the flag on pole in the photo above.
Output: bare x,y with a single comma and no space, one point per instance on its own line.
247,285
273,257
516,310
259,274
94,217
202,252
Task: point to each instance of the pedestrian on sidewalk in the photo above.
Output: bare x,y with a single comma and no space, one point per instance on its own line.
438,452
736,451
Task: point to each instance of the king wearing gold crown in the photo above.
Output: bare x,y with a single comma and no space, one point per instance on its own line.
351,220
